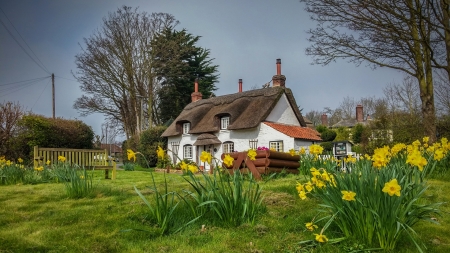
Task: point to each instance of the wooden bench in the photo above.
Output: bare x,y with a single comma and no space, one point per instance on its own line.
96,159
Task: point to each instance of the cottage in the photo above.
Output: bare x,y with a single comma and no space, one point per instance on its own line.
266,117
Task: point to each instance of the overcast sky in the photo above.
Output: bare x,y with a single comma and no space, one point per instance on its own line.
245,39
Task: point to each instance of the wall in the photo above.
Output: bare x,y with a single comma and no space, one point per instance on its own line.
283,113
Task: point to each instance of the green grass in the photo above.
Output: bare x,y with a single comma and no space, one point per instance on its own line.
41,218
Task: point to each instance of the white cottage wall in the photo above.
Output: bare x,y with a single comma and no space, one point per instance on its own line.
283,113
298,144
267,134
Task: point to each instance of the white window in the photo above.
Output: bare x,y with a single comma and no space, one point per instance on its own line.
228,147
276,145
186,128
224,122
187,151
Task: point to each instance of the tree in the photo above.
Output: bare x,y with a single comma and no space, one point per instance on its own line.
115,67
394,34
315,117
10,114
177,62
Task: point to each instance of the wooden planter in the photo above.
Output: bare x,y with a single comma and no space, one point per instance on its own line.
266,162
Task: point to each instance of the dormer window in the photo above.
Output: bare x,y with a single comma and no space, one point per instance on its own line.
186,128
224,122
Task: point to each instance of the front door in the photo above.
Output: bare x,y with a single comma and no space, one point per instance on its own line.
210,149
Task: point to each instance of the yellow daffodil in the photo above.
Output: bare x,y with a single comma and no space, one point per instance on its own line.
192,168
131,155
392,187
8,163
302,151
206,157
315,172
438,154
302,195
321,238
348,195
308,186
82,177
39,168
251,154
20,160
310,226
299,187
48,162
292,151
159,153
183,165
228,160
315,149
61,158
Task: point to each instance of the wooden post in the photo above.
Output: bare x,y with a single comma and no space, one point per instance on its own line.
113,177
35,156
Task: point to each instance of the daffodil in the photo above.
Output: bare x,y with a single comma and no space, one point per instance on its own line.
348,195
302,151
183,165
192,168
302,195
228,160
48,162
321,238
159,153
392,187
39,168
20,160
308,186
310,226
131,155
61,158
251,154
292,151
206,157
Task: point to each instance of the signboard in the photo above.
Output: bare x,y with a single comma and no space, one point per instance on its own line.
340,148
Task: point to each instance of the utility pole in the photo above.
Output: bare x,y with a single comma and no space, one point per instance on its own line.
53,94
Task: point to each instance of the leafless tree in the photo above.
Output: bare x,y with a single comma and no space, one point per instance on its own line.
115,67
315,117
398,34
403,97
10,114
348,107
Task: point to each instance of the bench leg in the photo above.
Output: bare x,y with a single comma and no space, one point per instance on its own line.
106,174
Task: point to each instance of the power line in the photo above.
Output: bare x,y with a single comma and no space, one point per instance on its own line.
35,79
41,94
66,78
18,87
42,66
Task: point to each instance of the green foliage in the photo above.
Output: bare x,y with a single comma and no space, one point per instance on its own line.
128,166
328,135
53,133
357,133
327,146
149,141
177,61
343,134
233,199
321,128
77,182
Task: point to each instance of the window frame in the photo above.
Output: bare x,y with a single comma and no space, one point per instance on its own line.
278,145
224,122
188,148
186,127
226,147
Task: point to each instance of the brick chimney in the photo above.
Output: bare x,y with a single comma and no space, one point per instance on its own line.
278,79
196,95
359,113
240,85
324,119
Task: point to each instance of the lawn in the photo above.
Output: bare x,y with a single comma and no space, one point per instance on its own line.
40,218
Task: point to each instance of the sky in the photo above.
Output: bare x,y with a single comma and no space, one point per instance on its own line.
244,37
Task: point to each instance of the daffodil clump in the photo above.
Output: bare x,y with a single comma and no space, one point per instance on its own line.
378,200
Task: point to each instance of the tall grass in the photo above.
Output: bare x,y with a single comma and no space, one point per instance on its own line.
78,183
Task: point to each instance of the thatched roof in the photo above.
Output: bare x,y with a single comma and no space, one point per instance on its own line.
246,110
207,139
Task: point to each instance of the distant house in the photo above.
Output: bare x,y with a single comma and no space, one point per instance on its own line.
113,149
350,123
266,117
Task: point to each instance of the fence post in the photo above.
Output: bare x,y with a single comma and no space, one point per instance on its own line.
113,177
35,157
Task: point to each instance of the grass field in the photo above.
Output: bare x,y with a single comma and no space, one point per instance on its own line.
40,218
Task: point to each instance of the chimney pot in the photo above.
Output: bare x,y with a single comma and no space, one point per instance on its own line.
195,96
278,79
359,113
240,85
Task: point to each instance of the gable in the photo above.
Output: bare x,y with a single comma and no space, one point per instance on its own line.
283,113
245,109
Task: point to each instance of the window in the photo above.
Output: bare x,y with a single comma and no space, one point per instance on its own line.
224,122
187,151
228,147
175,146
186,128
276,145
253,143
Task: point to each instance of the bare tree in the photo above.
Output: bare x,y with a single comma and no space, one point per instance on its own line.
347,107
115,67
403,97
10,114
315,117
391,33
442,92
